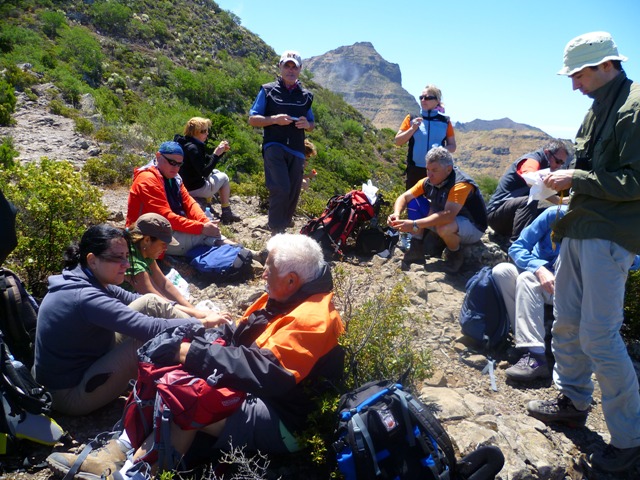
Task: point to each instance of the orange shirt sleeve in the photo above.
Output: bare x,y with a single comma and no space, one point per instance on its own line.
528,165
406,123
459,193
450,132
418,188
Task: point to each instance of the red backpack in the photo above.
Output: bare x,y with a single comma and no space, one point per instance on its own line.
163,394
342,215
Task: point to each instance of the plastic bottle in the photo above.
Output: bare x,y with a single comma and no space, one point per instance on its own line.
208,214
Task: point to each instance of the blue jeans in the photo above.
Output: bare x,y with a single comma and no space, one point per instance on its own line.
588,307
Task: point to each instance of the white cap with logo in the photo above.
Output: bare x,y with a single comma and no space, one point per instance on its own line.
589,50
291,56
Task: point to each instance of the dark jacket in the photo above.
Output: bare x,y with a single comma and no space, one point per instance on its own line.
296,103
474,208
77,323
511,184
279,351
198,164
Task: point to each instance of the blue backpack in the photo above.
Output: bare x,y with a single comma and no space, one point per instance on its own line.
222,263
483,315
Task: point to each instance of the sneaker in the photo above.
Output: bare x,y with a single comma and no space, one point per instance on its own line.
560,410
615,460
453,261
99,463
228,216
528,368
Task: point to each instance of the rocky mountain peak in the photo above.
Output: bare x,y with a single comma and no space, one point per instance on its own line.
366,81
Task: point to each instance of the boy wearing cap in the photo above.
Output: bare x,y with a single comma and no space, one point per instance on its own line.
157,188
600,234
283,109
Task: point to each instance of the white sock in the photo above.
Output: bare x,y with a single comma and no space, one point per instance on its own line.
125,468
124,439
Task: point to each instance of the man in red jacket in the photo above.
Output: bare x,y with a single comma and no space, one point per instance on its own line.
157,188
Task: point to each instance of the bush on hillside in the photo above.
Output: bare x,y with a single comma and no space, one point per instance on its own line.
7,102
487,185
7,153
110,169
631,326
55,206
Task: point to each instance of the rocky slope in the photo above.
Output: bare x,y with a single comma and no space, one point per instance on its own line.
459,394
366,81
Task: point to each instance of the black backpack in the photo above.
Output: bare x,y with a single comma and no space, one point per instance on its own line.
483,315
342,217
18,316
385,432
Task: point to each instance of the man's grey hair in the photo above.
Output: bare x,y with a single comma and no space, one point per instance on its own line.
440,155
555,145
296,253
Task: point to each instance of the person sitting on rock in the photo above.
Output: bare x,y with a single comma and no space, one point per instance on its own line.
526,288
457,212
150,237
198,171
88,328
509,209
158,188
285,343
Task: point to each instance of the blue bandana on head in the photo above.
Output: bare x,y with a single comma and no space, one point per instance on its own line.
171,148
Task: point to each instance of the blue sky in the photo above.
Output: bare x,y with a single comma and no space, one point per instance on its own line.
492,59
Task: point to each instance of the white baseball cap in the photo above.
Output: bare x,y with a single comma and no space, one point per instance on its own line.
589,50
291,56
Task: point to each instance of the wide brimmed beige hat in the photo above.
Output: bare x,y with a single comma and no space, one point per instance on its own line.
589,50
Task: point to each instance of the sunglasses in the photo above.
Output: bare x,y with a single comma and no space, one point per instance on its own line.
115,259
173,163
427,97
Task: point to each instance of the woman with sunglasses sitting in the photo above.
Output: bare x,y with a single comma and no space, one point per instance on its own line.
199,172
89,329
424,131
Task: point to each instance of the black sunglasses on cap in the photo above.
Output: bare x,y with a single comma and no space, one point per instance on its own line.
173,163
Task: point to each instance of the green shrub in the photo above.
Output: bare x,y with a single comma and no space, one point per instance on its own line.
109,169
82,51
631,326
111,16
55,206
7,153
7,102
487,185
52,22
83,125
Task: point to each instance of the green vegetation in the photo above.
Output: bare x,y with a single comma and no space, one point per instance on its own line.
56,204
631,326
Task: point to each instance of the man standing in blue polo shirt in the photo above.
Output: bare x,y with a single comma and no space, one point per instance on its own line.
283,109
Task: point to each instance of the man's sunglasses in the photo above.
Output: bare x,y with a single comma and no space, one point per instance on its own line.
173,163
428,97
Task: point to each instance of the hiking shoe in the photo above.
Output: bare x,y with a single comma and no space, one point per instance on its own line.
415,254
560,410
614,459
228,217
101,462
528,368
453,261
433,245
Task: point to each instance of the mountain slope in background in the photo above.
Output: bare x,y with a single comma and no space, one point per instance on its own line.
366,81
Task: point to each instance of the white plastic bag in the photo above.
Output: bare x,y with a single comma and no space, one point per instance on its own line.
179,282
207,305
538,191
371,191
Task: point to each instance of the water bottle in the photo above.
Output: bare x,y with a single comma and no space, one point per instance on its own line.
208,214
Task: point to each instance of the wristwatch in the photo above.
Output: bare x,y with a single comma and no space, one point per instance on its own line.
415,227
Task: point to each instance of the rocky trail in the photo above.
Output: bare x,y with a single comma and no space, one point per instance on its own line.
459,393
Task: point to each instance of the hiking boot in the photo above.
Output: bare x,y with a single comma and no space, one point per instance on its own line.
101,462
228,216
433,245
453,261
560,410
615,460
415,254
528,368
